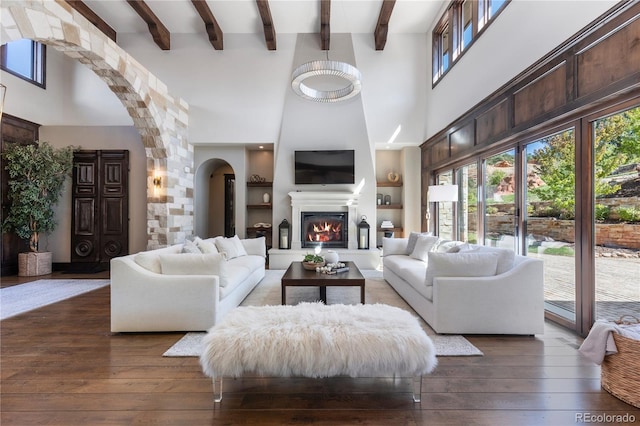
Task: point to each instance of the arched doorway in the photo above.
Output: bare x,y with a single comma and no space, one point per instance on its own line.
216,199
161,119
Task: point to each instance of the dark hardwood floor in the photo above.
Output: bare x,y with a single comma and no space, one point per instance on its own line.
60,365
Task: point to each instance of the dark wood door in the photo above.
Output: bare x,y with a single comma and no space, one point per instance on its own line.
100,200
14,130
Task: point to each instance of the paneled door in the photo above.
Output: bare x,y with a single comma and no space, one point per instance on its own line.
100,223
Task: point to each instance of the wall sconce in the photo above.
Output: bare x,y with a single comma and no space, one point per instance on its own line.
440,193
157,182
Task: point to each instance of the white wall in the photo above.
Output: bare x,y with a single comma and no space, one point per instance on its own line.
93,137
523,33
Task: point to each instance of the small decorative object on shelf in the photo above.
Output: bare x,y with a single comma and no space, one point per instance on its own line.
363,234
379,199
284,234
331,257
393,177
266,197
387,199
256,179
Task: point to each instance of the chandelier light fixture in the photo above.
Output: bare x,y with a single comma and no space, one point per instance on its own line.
349,75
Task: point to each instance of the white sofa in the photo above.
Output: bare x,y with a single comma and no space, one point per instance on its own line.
482,290
170,290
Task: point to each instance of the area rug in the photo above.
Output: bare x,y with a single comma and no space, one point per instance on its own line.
268,292
22,298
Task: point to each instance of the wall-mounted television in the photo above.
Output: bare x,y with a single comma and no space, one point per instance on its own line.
324,167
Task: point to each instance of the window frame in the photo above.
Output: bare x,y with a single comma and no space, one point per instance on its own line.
39,68
453,20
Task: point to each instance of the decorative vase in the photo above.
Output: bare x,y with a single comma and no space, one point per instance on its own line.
266,197
331,257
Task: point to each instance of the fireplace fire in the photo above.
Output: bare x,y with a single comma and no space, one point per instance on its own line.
328,229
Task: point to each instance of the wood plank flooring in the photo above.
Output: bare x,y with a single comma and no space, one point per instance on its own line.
60,365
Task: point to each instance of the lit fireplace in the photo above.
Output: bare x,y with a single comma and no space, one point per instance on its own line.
328,229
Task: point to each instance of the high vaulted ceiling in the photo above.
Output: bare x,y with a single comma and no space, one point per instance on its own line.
214,18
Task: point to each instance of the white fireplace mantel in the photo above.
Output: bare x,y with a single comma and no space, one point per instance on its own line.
307,201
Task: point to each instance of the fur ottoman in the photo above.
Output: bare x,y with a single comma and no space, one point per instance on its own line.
317,340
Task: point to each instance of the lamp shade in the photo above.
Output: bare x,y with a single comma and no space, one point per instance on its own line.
438,193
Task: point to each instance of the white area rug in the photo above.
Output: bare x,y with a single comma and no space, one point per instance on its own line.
22,298
268,292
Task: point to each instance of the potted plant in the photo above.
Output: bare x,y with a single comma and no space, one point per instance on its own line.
37,173
312,261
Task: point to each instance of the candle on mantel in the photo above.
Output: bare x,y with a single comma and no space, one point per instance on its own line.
283,242
362,241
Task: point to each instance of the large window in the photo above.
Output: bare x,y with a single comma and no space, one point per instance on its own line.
461,24
25,59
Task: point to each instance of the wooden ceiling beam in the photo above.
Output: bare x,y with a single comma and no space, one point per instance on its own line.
159,32
211,25
325,27
267,24
92,17
382,27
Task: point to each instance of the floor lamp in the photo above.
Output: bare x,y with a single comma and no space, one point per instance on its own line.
440,193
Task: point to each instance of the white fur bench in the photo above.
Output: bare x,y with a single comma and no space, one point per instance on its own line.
317,340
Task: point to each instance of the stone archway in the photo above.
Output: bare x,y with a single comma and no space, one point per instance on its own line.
161,119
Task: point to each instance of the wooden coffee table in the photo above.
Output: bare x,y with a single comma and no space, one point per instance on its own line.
297,276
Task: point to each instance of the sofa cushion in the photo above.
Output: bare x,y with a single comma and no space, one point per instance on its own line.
394,246
206,246
190,247
448,246
231,247
195,264
467,264
413,239
150,260
255,246
506,257
239,269
424,244
407,268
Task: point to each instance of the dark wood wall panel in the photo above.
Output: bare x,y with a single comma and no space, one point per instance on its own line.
614,57
440,150
462,139
492,123
541,96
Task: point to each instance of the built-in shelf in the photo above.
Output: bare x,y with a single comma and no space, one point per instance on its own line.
266,206
389,229
389,184
389,206
260,184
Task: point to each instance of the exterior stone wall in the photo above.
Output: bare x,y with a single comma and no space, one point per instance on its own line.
161,119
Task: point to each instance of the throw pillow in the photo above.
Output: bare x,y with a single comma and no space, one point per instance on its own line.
195,264
413,238
206,246
231,247
391,246
423,245
471,264
190,247
255,246
506,258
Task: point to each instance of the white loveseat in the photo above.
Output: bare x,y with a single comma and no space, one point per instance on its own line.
185,287
482,290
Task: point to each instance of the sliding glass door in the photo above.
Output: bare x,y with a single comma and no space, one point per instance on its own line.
467,181
616,214
549,217
499,200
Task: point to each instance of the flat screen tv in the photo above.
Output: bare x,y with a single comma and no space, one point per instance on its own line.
324,167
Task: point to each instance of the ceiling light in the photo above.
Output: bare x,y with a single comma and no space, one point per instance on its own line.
341,70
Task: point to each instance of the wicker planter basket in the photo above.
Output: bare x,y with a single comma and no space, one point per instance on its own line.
32,264
620,374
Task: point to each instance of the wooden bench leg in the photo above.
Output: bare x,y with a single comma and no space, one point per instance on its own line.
417,388
217,398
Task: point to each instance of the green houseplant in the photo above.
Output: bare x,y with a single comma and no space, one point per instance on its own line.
37,173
